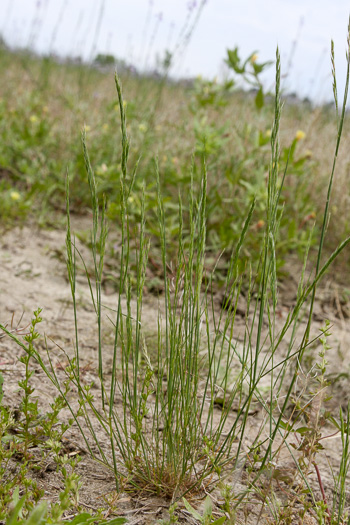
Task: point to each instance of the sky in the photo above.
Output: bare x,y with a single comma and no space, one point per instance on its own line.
198,33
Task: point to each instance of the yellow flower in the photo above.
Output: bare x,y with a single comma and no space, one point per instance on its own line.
268,133
33,118
254,58
15,196
143,127
300,135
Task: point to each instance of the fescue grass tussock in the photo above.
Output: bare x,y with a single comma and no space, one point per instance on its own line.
178,417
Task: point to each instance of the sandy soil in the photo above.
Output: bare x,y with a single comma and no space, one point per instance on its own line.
33,274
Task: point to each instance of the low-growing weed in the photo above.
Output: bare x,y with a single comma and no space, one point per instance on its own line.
207,517
24,429
40,516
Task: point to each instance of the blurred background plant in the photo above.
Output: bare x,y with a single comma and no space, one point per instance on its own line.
43,103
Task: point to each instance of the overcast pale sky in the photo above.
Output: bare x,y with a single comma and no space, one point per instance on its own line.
138,29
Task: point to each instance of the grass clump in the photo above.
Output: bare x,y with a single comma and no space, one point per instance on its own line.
168,437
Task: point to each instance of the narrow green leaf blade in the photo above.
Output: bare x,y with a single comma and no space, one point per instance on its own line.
38,515
219,521
193,511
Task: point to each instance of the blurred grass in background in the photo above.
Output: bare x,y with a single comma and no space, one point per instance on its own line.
45,104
